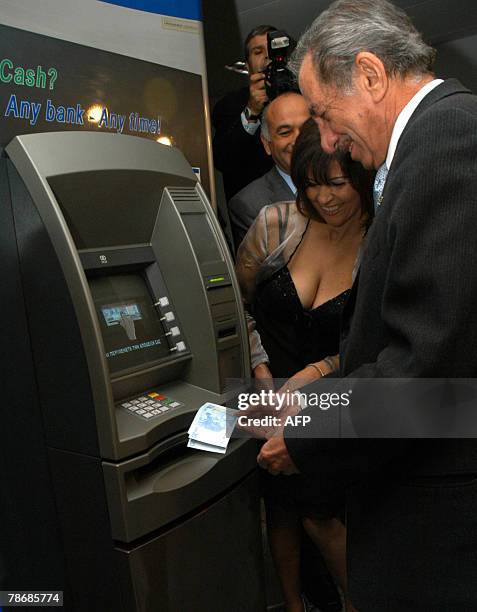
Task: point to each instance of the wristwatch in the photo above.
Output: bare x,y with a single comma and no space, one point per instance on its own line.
249,116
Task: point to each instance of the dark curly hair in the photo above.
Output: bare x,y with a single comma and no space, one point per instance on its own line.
308,155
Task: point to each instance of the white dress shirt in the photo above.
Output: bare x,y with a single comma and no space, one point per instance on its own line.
404,117
249,126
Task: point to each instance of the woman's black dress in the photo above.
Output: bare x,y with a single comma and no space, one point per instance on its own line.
294,336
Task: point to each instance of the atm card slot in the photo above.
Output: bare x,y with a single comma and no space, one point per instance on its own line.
227,332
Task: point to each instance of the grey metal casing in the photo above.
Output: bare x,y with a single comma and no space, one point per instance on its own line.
121,489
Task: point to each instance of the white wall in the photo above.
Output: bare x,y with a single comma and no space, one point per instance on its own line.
142,35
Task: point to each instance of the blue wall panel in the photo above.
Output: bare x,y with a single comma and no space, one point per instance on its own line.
187,9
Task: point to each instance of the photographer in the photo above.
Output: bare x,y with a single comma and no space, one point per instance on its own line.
238,151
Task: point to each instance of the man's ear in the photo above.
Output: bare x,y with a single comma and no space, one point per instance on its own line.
266,144
371,75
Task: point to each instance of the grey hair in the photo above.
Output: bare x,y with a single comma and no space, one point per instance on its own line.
348,27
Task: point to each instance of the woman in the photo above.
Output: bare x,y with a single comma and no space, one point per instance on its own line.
295,268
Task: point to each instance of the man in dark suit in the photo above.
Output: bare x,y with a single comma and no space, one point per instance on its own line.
281,123
411,510
238,152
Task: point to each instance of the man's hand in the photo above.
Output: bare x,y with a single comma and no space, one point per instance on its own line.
258,96
274,457
300,379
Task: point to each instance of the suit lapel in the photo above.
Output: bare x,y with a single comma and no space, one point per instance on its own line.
278,186
444,90
448,88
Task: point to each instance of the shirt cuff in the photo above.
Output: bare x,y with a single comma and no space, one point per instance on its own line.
251,127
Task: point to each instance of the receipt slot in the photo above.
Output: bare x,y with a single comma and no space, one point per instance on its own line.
121,316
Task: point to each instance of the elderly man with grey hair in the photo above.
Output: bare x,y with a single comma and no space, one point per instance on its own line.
411,503
281,123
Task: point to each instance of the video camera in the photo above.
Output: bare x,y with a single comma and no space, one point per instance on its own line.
278,78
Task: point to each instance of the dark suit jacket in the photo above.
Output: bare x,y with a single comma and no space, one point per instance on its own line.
412,504
238,155
247,203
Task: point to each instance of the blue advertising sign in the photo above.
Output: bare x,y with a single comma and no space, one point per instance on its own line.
187,9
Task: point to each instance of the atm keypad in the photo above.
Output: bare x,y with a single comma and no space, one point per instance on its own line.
150,406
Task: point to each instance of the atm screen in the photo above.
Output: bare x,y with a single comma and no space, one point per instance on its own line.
132,332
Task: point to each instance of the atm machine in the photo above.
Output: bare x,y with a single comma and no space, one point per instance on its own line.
121,316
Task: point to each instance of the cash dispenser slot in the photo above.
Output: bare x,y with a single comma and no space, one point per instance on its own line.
148,492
